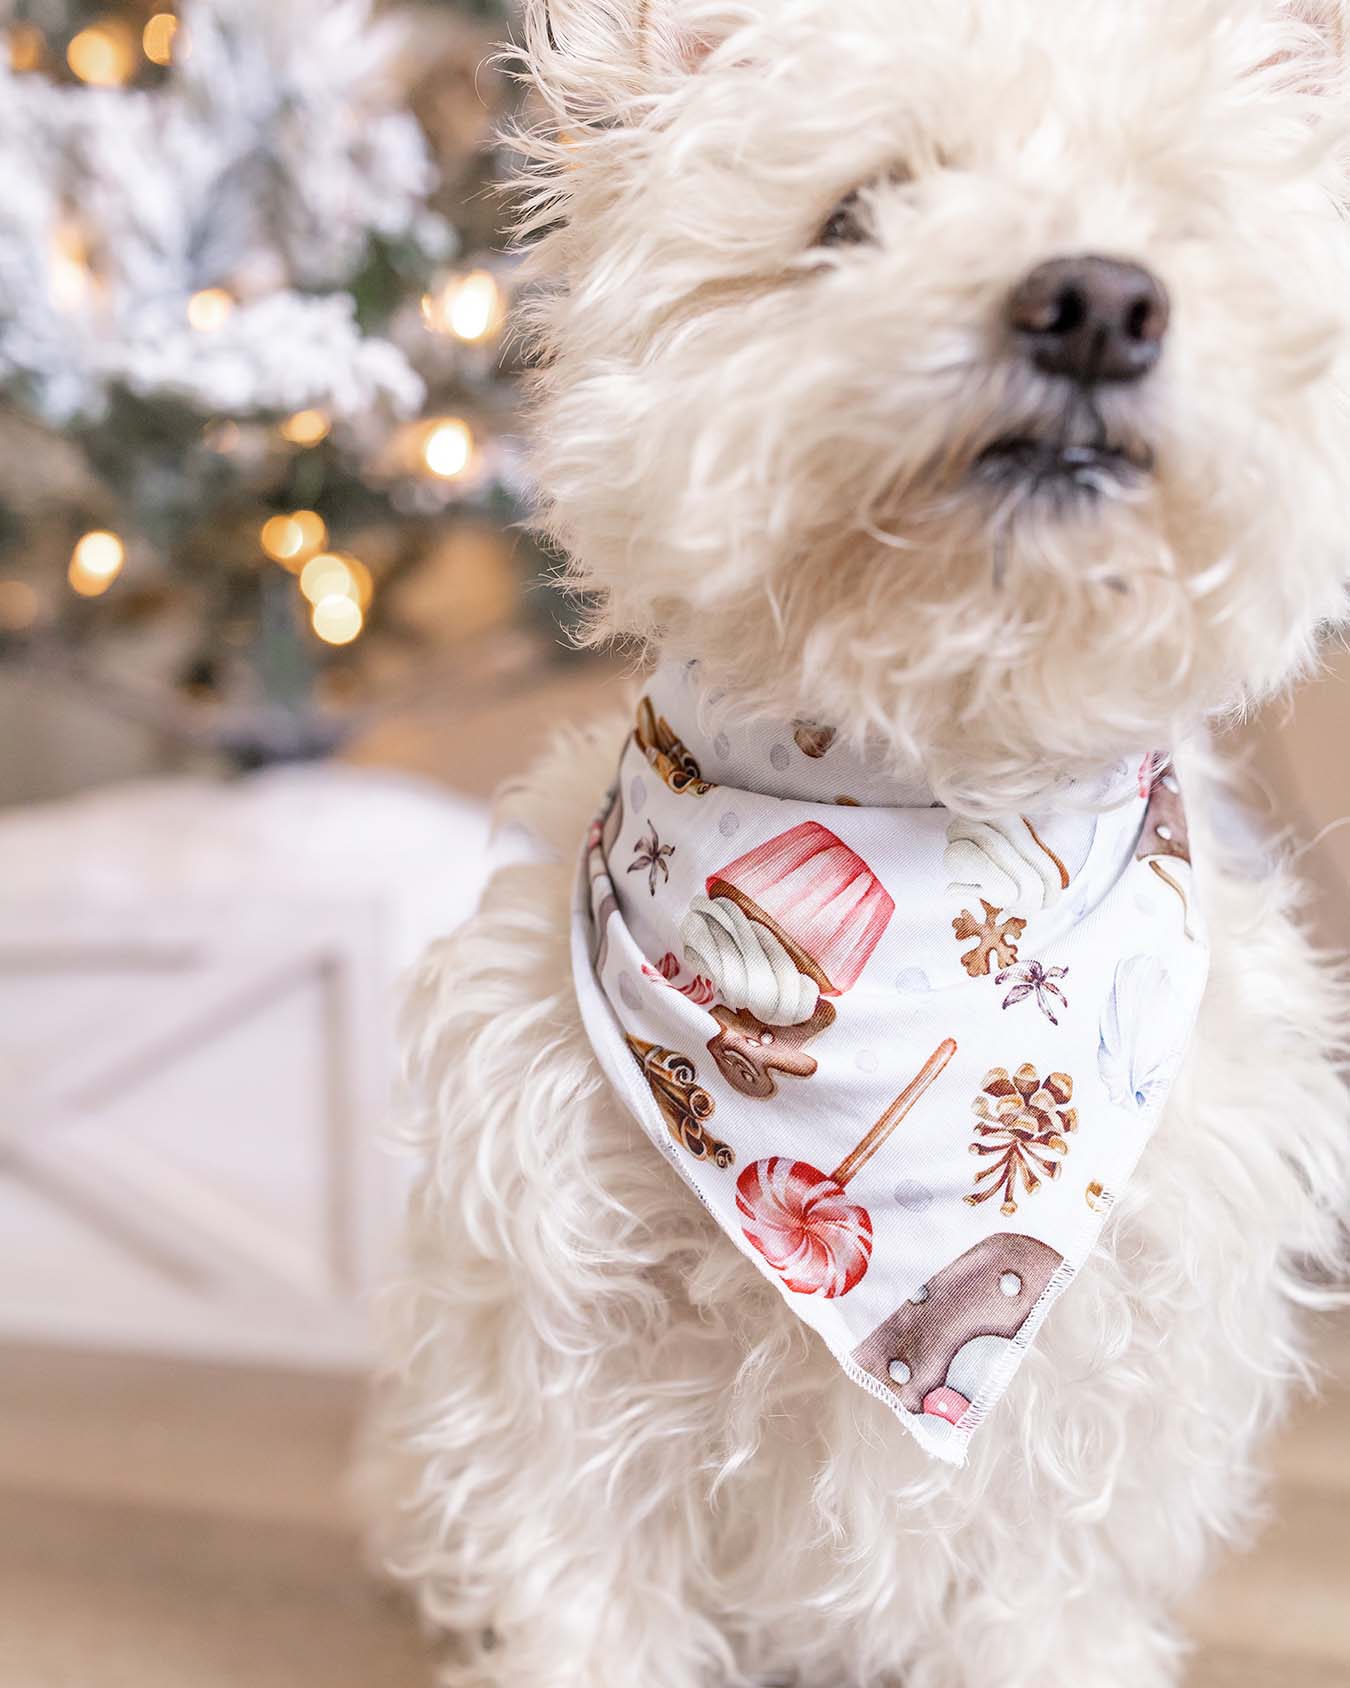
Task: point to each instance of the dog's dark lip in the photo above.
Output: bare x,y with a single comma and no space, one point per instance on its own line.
1022,461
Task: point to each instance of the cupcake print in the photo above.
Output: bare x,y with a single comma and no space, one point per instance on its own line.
793,920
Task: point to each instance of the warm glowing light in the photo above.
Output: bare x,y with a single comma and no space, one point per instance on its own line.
282,538
157,38
292,540
314,529
99,552
448,449
18,605
470,307
306,427
337,619
476,310
208,310
95,563
101,55
68,267
327,576
27,47
362,585
337,574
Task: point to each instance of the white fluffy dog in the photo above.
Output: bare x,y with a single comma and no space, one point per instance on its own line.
972,374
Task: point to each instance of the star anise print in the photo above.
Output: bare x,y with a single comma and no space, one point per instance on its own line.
652,857
1029,979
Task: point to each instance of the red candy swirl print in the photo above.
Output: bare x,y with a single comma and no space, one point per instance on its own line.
800,1219
805,1226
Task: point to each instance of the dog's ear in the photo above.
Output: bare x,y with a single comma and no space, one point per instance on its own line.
591,59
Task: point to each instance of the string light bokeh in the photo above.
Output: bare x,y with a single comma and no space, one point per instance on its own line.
244,483
95,563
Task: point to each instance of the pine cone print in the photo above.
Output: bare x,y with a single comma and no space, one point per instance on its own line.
1023,1122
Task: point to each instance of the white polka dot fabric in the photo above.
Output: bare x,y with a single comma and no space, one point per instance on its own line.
907,1060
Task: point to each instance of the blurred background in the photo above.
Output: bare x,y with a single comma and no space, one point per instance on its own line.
270,635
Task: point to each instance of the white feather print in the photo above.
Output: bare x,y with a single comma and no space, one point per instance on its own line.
1139,1032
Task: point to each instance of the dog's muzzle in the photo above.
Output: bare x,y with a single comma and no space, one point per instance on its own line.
1023,463
1085,330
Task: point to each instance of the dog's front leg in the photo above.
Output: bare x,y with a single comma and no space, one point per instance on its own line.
538,1469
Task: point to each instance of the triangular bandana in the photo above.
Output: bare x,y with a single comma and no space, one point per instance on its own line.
908,1061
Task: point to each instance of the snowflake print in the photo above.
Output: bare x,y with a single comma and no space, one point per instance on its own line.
652,857
995,938
1028,979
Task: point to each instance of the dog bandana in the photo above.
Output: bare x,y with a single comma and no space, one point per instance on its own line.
907,1060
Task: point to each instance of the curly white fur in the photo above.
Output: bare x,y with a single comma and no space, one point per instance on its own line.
607,1454
756,452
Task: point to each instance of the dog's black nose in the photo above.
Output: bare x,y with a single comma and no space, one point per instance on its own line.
1091,319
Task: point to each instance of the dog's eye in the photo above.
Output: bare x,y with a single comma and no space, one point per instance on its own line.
847,224
850,223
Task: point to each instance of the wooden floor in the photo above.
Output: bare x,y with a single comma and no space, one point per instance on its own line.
167,1526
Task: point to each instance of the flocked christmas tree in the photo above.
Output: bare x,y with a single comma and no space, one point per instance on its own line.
254,413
